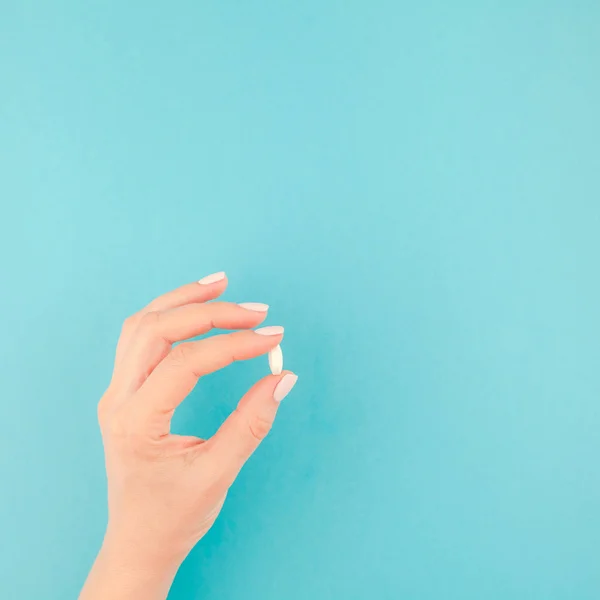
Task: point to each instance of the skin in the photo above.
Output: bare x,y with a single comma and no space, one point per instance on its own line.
165,491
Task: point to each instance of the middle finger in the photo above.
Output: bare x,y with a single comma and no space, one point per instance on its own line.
158,331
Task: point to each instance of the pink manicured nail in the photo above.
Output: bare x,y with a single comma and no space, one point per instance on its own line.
284,387
269,330
212,278
257,306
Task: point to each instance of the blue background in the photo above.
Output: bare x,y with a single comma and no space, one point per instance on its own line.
413,187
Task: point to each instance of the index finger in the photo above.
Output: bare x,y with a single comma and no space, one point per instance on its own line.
177,374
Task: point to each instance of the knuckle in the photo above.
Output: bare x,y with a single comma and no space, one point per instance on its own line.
113,425
102,412
181,354
129,324
120,428
258,427
105,406
149,320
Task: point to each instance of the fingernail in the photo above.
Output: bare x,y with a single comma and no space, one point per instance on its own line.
212,278
284,387
270,330
257,306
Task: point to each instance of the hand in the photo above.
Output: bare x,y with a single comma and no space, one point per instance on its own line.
164,490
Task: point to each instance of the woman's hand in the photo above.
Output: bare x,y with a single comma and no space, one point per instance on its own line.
164,490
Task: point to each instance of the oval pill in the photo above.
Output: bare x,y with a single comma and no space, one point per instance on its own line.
276,360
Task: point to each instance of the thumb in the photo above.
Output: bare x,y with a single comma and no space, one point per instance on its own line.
248,425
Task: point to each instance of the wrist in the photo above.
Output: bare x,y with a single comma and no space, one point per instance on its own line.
149,555
126,571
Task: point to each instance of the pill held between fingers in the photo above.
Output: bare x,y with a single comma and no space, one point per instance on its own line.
276,360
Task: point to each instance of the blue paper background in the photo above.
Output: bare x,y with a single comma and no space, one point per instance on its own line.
413,187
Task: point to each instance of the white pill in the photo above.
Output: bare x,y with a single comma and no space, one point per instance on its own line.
276,360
